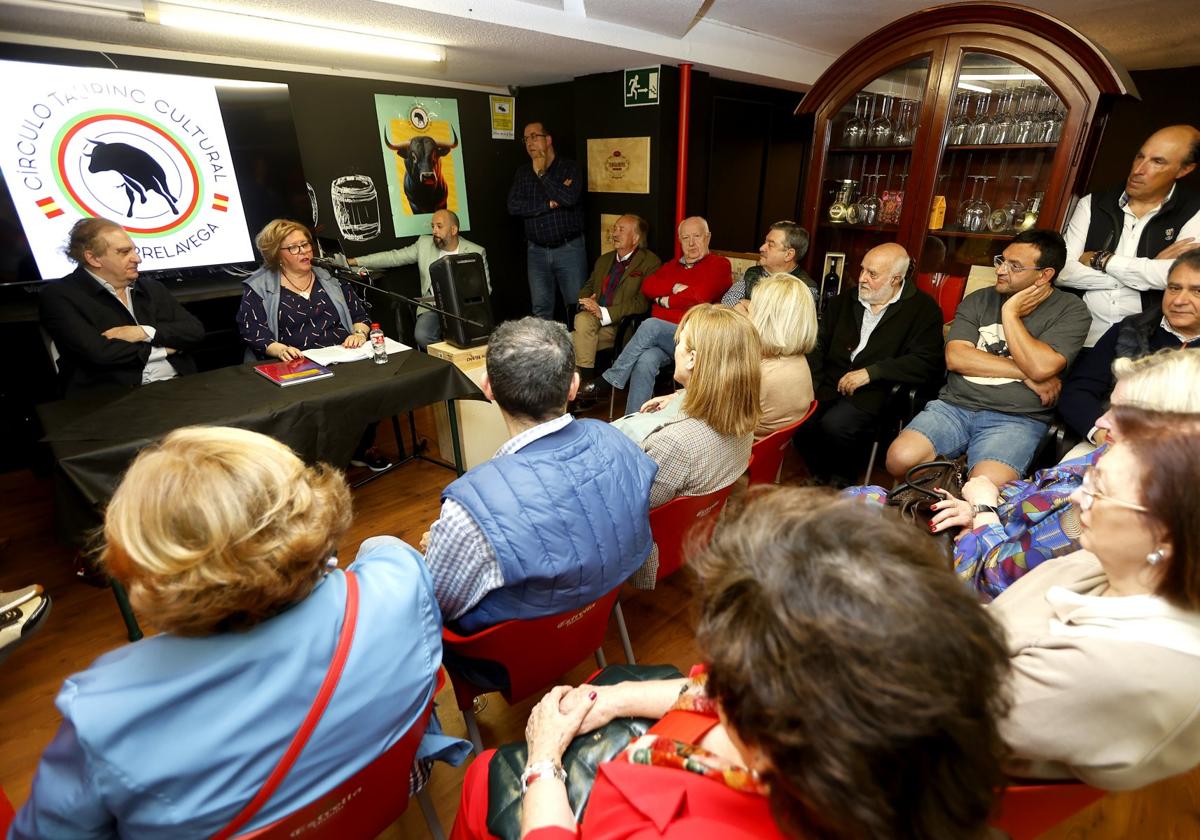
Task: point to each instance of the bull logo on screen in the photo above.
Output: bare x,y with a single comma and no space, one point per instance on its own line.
127,168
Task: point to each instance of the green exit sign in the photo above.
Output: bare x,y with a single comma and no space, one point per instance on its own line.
641,86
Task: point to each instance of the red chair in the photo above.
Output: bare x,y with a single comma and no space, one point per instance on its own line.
766,456
534,653
671,523
6,813
1028,811
363,805
946,289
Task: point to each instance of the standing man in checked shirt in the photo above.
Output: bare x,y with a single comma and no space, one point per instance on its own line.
548,195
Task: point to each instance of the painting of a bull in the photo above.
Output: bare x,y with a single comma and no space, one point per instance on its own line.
424,186
140,172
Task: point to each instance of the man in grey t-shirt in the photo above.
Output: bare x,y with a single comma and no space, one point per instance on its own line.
1005,352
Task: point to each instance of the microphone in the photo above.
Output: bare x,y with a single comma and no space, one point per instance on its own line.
360,276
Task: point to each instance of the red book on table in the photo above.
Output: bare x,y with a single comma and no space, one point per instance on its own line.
293,372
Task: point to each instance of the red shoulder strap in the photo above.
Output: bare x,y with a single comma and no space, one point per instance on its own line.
332,676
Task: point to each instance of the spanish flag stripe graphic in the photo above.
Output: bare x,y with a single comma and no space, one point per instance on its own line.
220,202
49,206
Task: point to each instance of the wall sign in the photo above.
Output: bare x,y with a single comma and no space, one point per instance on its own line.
421,142
146,150
641,86
619,165
504,114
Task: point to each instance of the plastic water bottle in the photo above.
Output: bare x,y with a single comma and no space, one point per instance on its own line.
378,346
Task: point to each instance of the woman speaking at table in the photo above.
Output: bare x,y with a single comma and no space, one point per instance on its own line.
289,306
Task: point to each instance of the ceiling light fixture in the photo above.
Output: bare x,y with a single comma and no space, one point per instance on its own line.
286,33
976,88
1000,77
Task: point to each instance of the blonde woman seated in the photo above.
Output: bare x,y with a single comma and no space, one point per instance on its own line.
702,443
223,538
783,313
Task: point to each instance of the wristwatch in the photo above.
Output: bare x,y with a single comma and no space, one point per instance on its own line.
539,769
978,509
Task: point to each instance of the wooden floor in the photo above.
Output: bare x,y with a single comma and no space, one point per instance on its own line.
84,623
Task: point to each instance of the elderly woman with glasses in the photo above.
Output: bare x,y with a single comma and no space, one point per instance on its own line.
290,306
1105,642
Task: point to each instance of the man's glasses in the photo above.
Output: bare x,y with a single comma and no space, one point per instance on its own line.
1089,494
529,137
1013,268
298,249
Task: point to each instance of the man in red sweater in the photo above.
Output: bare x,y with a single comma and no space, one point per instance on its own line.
696,277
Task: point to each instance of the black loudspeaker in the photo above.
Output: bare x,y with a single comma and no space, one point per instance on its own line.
460,288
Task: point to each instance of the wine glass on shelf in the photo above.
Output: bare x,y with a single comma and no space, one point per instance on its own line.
981,126
956,135
879,132
855,212
1002,126
973,215
1049,123
1025,128
906,123
1005,218
854,132
871,204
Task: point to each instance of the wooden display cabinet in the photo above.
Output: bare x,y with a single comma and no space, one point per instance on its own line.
994,110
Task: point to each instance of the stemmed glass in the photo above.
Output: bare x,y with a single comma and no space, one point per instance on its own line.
1002,125
879,132
974,213
869,206
1005,218
854,132
1025,130
906,123
981,126
1050,124
960,122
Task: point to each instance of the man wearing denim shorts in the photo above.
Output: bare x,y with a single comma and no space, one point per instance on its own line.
1006,350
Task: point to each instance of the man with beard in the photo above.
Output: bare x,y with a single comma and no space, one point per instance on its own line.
443,241
880,332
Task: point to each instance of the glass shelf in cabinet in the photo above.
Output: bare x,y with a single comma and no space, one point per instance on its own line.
844,150
999,147
970,234
826,223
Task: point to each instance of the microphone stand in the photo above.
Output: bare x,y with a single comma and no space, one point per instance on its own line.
350,275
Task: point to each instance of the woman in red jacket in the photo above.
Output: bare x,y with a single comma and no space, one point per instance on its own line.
852,689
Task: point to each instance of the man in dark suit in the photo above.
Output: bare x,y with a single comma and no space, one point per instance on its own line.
880,331
613,291
111,329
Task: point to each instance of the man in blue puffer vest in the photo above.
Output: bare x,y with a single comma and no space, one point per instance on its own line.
560,515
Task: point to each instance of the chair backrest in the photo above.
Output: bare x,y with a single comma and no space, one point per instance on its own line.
946,289
534,652
6,813
1028,811
363,805
672,522
766,456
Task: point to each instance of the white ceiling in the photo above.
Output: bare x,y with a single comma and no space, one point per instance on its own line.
493,44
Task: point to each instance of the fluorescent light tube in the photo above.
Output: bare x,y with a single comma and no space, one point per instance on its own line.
287,34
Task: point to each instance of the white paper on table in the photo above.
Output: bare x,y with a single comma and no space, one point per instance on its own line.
338,354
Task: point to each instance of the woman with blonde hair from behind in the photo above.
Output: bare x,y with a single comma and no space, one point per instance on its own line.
225,540
785,318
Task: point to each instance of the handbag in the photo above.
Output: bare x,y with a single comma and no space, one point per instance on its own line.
582,757
914,497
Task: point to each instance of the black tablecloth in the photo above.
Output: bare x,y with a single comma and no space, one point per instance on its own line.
93,440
